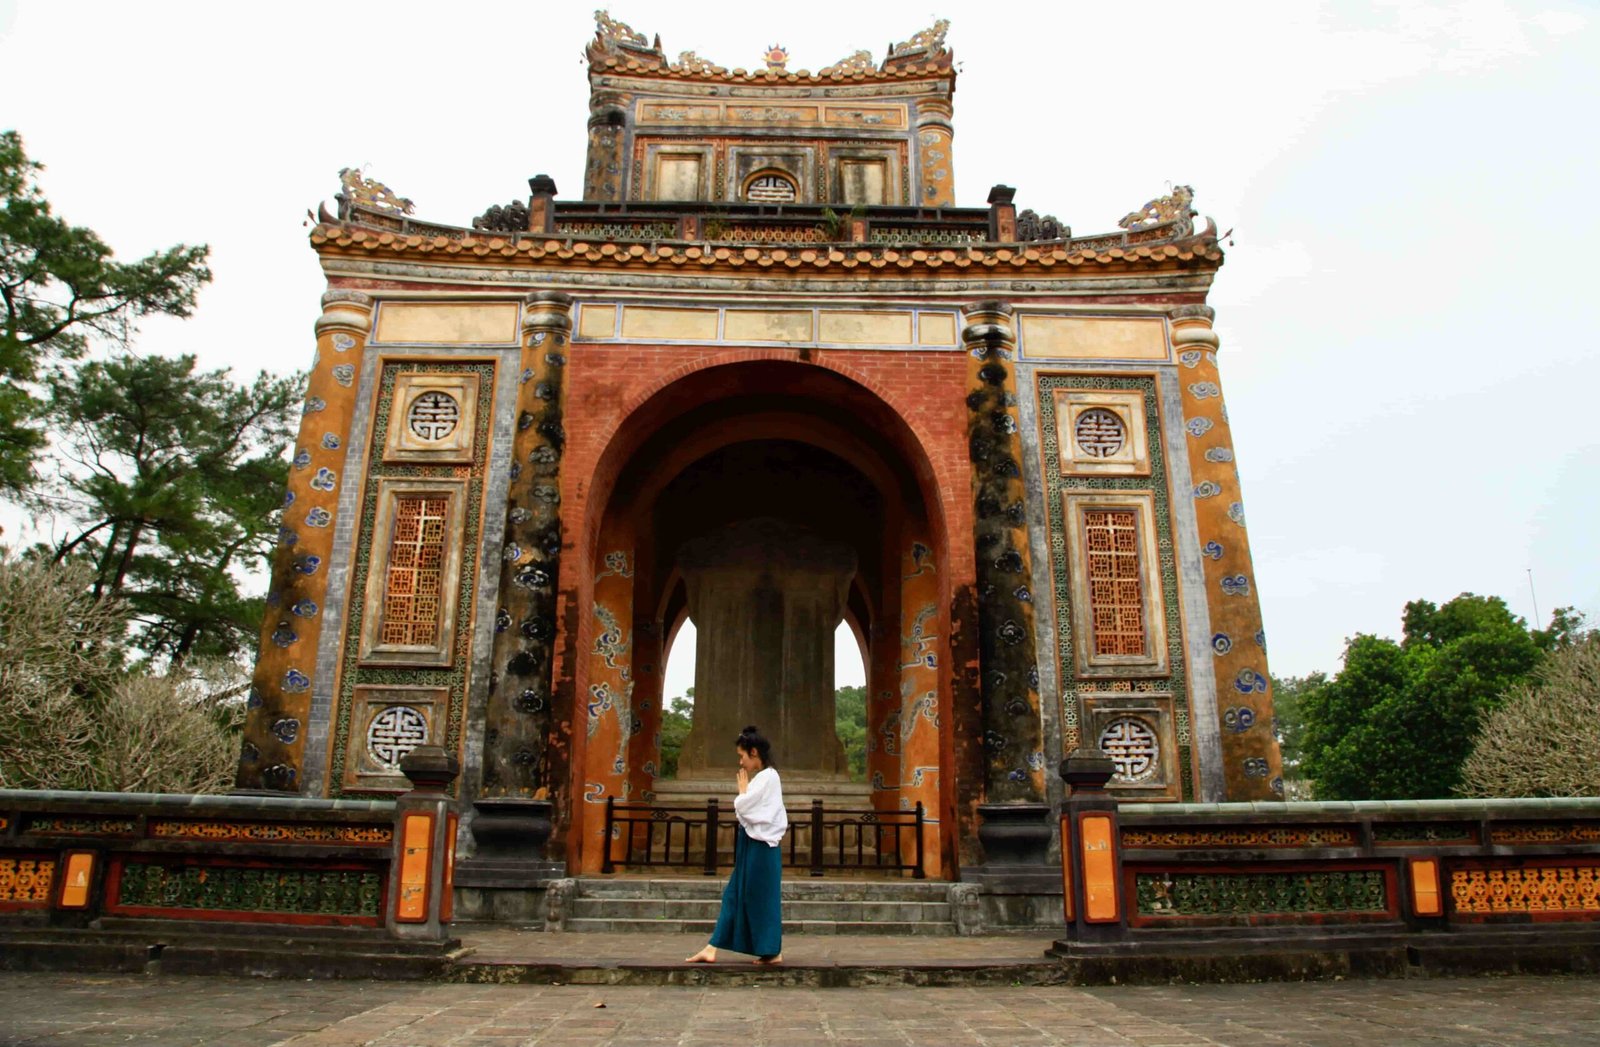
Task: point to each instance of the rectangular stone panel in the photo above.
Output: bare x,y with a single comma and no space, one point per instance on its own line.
455,323
678,177
597,321
866,116
859,327
647,322
1043,336
936,329
678,113
767,325
863,181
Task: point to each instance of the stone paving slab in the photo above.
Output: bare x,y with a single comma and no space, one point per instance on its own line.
494,943
63,1010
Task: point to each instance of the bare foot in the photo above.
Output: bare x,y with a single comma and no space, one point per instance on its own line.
706,955
770,961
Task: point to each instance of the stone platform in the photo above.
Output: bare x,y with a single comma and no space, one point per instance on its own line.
495,954
71,1009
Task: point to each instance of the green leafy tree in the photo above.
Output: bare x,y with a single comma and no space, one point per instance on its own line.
1398,720
60,288
173,480
1288,722
677,716
850,721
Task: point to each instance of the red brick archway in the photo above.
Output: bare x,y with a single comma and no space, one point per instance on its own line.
627,447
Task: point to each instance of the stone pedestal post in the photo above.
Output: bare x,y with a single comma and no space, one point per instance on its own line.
420,880
273,749
1091,865
1252,768
519,716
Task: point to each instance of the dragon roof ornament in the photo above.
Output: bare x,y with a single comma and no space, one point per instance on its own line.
860,62
613,33
1172,208
362,192
617,43
929,42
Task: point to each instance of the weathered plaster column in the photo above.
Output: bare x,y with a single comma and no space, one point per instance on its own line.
1008,670
519,717
935,163
280,694
603,175
1252,768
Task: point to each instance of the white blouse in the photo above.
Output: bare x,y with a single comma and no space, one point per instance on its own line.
760,808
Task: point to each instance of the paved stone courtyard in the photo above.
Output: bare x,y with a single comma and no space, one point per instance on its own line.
60,1009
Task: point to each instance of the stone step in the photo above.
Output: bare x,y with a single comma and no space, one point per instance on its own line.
670,926
805,910
794,889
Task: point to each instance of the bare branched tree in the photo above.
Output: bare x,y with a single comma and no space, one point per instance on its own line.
73,716
1545,739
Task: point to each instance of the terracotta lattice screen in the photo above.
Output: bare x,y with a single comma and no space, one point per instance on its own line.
1116,597
416,560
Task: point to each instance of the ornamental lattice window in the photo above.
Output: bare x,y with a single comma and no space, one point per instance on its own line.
1116,591
770,189
415,572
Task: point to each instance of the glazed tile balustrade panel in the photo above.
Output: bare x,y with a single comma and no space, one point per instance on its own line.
239,859
1405,865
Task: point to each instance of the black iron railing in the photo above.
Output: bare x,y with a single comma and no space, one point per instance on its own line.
819,838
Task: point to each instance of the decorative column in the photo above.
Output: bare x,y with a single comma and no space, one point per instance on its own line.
1014,825
935,164
603,175
273,750
1252,768
519,716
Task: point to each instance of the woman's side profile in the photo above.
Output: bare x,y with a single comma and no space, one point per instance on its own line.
751,920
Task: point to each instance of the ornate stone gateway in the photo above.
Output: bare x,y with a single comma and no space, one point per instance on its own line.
766,376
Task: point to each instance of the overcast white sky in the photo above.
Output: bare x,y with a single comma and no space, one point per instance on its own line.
1410,371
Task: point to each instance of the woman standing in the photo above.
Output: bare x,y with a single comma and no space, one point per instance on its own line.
751,920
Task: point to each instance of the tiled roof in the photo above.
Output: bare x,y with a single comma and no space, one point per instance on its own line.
533,249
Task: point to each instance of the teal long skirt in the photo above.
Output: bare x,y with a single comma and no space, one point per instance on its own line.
751,920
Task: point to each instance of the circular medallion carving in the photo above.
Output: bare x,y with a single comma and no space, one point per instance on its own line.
1133,748
394,732
433,415
1100,433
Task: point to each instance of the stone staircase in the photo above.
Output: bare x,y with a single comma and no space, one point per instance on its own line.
689,906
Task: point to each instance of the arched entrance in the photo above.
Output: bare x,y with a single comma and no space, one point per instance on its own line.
769,500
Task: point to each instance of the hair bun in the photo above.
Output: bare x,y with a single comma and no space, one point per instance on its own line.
752,729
